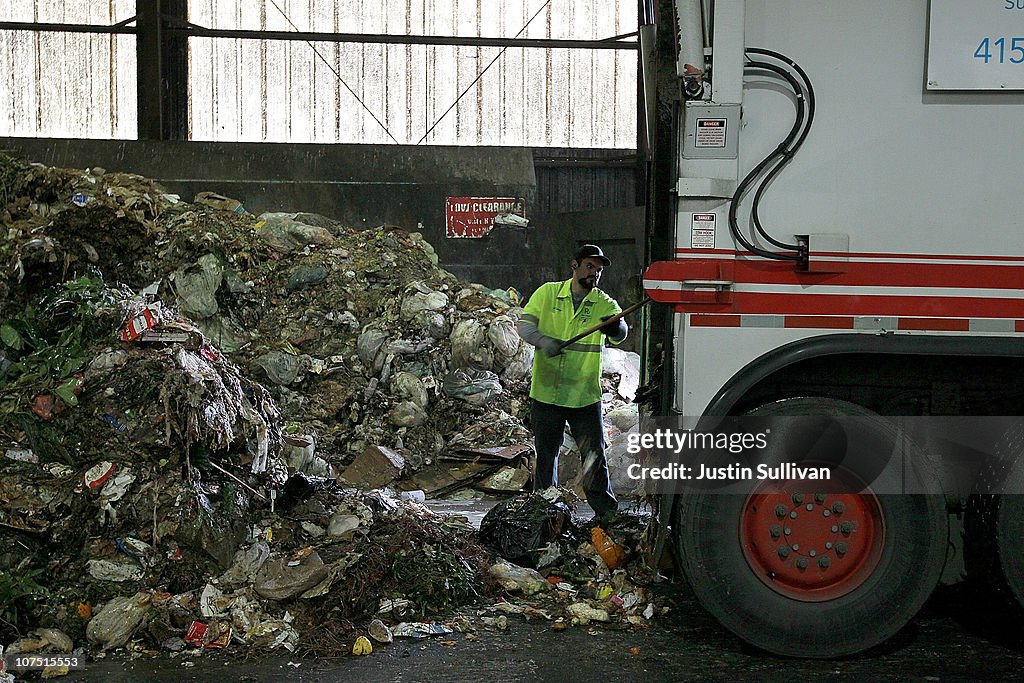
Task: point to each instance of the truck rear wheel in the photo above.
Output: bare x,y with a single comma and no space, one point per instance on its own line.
808,573
994,543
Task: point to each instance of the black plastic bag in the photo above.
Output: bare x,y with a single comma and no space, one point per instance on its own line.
519,528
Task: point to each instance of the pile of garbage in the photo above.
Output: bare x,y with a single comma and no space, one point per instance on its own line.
358,334
192,395
554,568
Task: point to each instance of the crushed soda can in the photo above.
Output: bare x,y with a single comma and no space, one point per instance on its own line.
80,199
147,318
97,475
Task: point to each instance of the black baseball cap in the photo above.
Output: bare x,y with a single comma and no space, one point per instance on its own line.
591,251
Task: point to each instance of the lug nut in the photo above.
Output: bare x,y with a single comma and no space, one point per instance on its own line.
824,562
840,548
835,529
776,531
819,498
846,527
801,563
826,512
838,507
813,552
798,498
793,514
780,511
783,552
828,546
796,546
788,531
810,506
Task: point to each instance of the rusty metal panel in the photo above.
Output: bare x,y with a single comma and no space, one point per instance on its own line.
63,84
249,90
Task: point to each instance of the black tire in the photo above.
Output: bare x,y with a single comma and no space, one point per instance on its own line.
908,569
994,523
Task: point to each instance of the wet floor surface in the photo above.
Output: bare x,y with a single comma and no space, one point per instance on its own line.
963,633
956,638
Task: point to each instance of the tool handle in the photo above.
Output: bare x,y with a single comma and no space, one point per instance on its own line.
594,328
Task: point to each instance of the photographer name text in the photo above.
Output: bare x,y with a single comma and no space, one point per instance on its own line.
782,472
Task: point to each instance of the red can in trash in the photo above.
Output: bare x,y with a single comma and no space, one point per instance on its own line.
146,319
97,475
196,634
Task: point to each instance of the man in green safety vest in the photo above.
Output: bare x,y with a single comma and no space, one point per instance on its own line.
566,381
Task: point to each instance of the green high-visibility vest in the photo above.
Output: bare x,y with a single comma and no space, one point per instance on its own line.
573,378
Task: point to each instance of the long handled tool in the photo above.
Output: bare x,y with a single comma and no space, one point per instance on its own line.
590,330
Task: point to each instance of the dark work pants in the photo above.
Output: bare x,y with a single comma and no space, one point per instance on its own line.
587,427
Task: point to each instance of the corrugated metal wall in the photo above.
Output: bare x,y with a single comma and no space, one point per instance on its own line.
249,90
275,91
583,180
67,84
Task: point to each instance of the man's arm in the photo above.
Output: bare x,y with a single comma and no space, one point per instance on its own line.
528,330
529,320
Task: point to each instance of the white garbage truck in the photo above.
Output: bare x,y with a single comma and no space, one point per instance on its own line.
847,238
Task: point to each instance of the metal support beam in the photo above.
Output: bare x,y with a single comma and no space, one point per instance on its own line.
162,71
174,73
176,25
118,28
148,56
195,31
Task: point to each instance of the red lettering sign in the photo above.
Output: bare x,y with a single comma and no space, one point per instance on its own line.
468,217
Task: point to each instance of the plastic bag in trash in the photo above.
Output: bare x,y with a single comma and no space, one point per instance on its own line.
408,414
419,302
520,364
118,620
411,387
469,347
514,578
520,528
196,286
502,335
475,387
283,232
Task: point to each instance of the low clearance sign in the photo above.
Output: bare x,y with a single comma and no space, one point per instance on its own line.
474,216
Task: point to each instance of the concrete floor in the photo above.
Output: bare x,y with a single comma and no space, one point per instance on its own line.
961,634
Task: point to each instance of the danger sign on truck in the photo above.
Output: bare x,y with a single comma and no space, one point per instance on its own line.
710,133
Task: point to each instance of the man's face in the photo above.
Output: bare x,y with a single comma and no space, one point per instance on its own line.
588,272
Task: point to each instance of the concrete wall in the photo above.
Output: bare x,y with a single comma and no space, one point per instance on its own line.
367,185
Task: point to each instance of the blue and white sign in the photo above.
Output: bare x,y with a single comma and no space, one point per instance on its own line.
976,45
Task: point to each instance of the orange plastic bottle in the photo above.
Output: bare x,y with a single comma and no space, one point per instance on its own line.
610,551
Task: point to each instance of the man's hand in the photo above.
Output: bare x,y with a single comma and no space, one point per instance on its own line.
615,330
550,347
